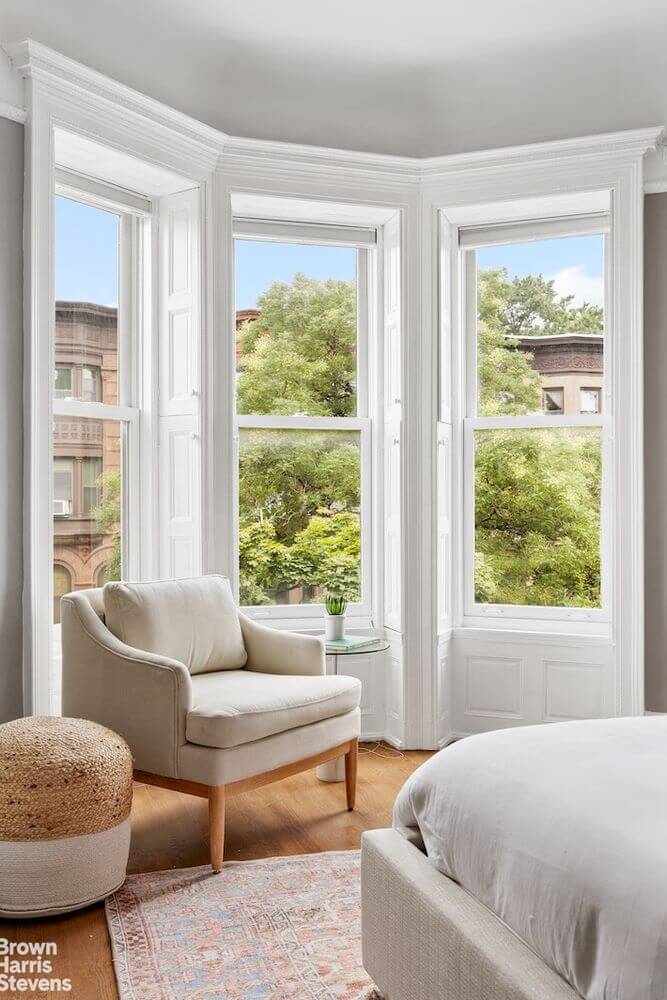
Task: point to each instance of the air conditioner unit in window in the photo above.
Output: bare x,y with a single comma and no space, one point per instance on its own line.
62,508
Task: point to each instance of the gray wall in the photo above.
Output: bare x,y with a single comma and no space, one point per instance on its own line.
655,447
11,416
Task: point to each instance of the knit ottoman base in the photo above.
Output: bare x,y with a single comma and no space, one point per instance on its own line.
63,874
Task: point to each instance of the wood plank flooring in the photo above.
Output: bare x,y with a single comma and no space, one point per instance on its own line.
299,815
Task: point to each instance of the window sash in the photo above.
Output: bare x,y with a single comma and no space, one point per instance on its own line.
286,232
474,612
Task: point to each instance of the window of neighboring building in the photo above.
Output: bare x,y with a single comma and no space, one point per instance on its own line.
590,400
533,472
553,401
303,419
62,584
63,382
91,469
63,486
91,383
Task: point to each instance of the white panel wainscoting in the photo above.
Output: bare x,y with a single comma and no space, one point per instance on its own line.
443,689
394,687
505,678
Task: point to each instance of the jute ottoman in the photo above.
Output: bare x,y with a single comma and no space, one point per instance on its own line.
65,797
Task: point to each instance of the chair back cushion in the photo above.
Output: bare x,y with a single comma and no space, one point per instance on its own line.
193,621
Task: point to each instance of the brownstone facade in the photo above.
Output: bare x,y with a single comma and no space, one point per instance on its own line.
84,449
571,366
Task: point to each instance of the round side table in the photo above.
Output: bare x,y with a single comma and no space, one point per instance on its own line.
334,770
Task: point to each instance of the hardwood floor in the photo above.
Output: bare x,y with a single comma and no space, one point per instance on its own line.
169,830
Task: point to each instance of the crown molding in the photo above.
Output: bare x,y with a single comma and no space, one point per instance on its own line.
64,78
213,149
630,144
12,113
293,158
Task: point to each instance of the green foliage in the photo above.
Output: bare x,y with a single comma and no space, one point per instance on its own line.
538,493
107,519
299,356
537,517
335,604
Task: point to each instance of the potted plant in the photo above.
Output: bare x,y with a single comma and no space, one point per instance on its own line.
334,605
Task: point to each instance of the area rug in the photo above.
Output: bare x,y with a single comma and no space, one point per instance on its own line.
277,929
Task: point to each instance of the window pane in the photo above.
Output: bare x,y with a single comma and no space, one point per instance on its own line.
537,517
553,400
299,515
296,322
63,382
87,500
590,400
86,345
540,323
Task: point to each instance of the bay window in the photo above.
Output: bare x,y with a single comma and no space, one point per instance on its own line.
302,415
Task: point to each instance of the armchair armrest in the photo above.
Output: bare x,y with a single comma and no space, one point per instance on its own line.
272,651
143,697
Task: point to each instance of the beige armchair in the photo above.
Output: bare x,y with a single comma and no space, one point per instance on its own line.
210,702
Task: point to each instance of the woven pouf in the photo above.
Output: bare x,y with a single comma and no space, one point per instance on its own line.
65,797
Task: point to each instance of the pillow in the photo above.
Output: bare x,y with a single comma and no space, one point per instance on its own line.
193,621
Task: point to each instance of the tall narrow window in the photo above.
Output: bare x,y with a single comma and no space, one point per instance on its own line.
303,419
91,419
533,438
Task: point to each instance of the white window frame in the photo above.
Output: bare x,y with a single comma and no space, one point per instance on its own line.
134,244
364,241
469,241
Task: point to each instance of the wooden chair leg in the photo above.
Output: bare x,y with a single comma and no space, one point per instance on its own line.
351,761
216,825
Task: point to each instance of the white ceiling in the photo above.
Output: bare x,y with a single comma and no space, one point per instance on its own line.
413,77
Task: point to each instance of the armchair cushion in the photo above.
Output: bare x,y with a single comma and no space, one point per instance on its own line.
193,621
240,706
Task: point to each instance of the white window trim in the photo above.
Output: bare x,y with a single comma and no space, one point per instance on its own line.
360,612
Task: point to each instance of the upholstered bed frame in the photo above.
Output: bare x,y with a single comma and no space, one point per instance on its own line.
426,938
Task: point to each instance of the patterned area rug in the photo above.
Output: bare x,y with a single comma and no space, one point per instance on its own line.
279,929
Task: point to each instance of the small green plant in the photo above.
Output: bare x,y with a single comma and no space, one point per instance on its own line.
335,604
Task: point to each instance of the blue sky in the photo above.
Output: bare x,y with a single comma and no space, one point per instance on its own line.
86,253
575,263
87,260
259,264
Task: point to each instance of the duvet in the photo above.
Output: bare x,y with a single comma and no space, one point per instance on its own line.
561,831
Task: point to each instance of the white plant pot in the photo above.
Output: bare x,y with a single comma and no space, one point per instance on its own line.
334,626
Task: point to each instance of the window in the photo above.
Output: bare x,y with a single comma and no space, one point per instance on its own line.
90,384
302,416
553,400
63,382
590,400
92,425
91,485
533,445
63,486
62,584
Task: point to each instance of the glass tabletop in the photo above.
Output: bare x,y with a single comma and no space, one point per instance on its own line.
345,647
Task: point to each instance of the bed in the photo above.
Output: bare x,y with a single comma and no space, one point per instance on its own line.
525,864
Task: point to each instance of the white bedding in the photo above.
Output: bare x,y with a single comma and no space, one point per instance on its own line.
561,830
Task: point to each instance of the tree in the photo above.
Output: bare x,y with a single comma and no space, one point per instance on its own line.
299,355
537,492
107,519
299,495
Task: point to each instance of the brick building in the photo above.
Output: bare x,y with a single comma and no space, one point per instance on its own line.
86,356
571,367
